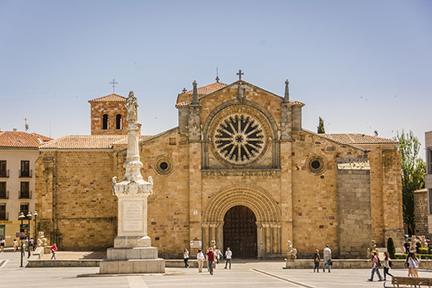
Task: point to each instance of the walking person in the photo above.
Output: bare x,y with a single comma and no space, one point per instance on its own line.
15,245
200,260
186,257
413,264
53,250
2,244
387,265
228,257
375,267
316,260
218,254
327,257
210,260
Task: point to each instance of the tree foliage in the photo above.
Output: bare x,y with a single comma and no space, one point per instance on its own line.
321,129
413,173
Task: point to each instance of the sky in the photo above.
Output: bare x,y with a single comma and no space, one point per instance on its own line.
360,65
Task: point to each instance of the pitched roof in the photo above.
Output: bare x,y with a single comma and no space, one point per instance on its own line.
357,138
21,139
109,98
84,142
186,97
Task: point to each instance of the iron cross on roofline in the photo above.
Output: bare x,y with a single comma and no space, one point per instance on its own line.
240,73
113,84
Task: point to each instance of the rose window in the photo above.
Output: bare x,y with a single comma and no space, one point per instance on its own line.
239,138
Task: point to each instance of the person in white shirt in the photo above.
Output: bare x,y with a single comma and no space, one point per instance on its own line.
327,258
228,257
200,259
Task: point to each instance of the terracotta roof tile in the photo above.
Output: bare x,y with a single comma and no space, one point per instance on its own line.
21,139
186,97
109,98
84,142
357,138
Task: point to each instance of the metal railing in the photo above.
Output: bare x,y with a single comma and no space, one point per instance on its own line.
25,173
4,195
25,195
4,173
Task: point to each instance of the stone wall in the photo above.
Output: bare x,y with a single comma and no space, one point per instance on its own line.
354,210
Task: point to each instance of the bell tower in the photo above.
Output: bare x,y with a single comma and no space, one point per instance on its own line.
108,115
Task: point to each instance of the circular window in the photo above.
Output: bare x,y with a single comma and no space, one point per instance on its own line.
239,138
316,164
163,166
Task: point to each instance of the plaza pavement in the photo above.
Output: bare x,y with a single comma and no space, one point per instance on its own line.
247,275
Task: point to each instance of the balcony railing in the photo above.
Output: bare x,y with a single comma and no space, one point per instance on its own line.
4,195
4,173
25,173
25,195
4,216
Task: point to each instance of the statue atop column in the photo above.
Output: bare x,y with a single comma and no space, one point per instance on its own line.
132,241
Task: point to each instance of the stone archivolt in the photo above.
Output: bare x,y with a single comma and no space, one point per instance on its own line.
263,206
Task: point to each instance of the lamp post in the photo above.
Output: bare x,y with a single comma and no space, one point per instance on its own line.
35,214
21,218
29,218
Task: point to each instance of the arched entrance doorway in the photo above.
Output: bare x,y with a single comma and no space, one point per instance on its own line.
240,232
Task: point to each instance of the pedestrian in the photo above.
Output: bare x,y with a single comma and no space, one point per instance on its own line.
200,260
210,260
218,254
186,257
32,244
375,267
53,250
15,245
316,260
228,257
387,264
413,263
2,244
327,257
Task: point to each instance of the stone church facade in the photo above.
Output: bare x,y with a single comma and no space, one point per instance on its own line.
238,171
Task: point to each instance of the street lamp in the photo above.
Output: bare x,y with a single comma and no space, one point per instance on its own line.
29,217
35,214
21,218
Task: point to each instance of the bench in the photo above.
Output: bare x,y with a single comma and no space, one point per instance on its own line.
410,282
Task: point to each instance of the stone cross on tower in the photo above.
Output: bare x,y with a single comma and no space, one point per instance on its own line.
113,84
240,73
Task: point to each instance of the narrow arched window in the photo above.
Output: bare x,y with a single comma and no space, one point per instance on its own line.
105,121
118,121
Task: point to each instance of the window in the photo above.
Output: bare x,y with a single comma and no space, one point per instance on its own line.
429,160
105,121
3,193
2,231
430,201
25,190
25,168
118,121
3,215
3,170
24,207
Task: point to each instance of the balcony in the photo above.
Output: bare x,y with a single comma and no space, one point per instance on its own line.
25,173
4,173
4,194
25,195
4,216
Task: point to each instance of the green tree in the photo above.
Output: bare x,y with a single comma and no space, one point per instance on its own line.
413,172
321,129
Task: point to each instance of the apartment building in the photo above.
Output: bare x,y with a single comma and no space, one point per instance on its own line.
18,153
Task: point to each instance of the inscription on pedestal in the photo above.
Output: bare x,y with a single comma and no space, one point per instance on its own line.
133,216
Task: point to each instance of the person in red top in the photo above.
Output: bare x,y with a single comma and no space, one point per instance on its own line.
53,250
210,260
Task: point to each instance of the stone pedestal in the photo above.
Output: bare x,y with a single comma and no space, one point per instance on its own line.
132,252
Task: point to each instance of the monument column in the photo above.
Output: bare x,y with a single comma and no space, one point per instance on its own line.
132,252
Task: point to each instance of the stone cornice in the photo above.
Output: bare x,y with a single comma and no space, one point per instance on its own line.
241,172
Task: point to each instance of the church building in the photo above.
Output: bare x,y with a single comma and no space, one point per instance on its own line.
238,171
